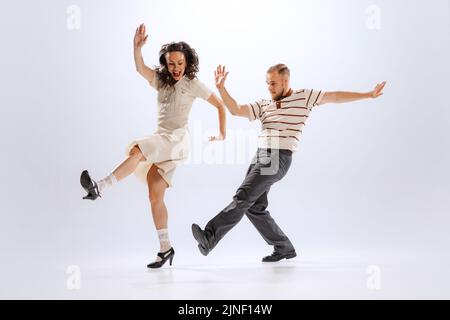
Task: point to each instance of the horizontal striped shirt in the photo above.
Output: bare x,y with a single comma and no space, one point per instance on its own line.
283,121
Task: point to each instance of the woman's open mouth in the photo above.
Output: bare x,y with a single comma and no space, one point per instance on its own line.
176,74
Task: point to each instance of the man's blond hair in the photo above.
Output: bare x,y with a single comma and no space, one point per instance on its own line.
281,68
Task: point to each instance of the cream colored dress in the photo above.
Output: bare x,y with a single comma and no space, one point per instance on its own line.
169,145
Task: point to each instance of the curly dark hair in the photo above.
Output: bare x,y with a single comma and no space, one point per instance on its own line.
191,62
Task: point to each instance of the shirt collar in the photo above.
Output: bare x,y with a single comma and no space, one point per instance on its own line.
288,94
278,102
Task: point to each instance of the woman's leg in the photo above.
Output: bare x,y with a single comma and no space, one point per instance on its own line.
157,187
128,166
124,169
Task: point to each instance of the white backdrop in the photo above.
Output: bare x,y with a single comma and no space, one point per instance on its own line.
371,175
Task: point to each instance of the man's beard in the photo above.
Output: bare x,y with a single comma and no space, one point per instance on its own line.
279,96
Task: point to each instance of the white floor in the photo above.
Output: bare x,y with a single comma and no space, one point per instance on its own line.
310,276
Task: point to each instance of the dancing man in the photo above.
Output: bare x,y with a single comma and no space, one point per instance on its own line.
283,119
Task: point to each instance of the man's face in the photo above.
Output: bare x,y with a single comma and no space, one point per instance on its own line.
277,84
176,64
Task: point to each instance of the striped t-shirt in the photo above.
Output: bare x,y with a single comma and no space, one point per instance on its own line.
283,121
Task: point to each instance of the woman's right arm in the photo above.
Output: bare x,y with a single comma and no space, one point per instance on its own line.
139,41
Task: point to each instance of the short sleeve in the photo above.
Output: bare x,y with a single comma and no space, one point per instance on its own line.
254,111
313,97
199,90
155,82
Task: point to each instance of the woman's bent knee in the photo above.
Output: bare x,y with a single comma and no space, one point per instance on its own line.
136,152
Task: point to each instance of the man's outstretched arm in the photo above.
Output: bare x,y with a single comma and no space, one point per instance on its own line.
231,104
343,97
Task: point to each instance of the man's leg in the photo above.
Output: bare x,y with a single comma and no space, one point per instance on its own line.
256,183
251,189
202,237
260,217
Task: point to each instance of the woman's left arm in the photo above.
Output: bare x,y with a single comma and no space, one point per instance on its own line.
216,102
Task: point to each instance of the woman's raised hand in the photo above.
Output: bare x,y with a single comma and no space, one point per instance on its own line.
140,38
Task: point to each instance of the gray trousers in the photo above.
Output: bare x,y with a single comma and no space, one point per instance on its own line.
268,166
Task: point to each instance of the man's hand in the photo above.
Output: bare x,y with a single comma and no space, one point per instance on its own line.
140,38
235,109
220,75
378,91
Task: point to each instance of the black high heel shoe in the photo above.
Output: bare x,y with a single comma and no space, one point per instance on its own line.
168,255
89,185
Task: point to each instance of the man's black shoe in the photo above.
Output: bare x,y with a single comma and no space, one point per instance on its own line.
200,236
277,256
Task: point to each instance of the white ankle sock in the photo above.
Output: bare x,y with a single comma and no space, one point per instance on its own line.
106,182
164,242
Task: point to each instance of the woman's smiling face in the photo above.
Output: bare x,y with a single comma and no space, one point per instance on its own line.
176,64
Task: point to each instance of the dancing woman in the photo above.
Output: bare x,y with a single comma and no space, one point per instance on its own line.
153,159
